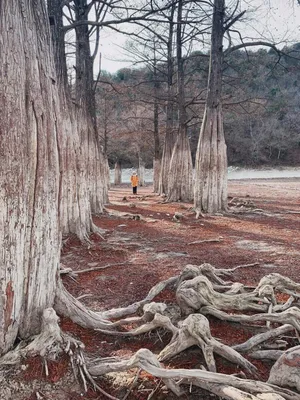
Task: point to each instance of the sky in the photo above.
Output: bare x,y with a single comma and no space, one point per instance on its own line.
277,20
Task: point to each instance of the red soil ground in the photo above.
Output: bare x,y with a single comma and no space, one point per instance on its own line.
138,254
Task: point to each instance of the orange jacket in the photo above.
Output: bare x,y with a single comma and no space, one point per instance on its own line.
134,180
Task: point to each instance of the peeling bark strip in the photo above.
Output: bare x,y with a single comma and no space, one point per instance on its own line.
8,309
29,116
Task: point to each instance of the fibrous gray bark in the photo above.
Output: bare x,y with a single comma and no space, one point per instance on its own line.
210,193
74,198
95,172
29,170
180,182
169,139
286,370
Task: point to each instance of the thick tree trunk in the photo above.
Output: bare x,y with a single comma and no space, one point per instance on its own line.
180,185
29,121
167,154
96,168
118,173
169,136
181,171
74,205
211,159
211,164
75,211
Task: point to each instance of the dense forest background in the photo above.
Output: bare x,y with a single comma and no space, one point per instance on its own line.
261,107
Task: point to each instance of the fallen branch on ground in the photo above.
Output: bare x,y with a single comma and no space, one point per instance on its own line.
218,240
230,270
83,271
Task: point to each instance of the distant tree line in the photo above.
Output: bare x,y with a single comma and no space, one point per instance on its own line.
261,101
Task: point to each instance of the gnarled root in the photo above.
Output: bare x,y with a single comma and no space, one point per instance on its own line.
263,337
159,321
266,354
50,342
149,310
194,330
133,308
191,295
156,315
290,316
280,283
141,359
68,306
229,271
192,271
228,386
65,304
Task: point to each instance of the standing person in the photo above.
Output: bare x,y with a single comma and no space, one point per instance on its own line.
134,182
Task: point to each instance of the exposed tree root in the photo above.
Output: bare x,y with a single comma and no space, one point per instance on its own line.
98,231
156,315
237,202
194,330
280,283
192,271
266,354
199,214
290,316
159,321
231,270
228,386
49,342
140,359
68,306
198,288
263,337
191,295
133,308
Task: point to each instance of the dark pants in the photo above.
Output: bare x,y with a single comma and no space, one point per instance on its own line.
134,189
